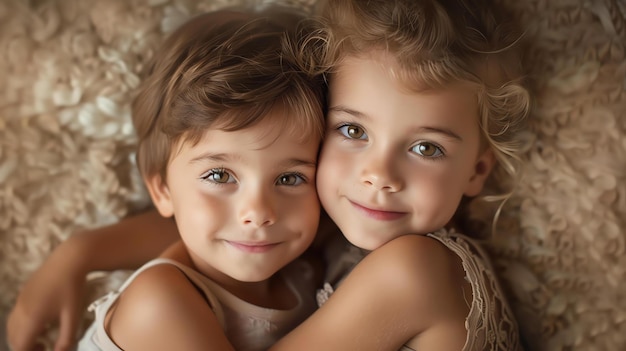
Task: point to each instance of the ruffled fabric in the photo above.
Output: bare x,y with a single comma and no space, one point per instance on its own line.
69,68
559,246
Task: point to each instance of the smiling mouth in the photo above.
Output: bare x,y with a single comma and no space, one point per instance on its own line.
378,214
250,247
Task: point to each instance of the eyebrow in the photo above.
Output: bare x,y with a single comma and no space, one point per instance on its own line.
209,156
295,162
428,129
224,157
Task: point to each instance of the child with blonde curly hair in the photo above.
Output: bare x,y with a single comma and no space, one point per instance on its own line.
425,98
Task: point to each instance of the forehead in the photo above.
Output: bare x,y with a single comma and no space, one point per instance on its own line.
370,85
263,131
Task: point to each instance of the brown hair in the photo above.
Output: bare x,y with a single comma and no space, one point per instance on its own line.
436,43
227,70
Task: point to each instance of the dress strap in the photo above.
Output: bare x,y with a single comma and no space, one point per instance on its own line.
490,324
102,305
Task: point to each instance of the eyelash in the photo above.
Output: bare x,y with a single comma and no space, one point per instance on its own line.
439,148
299,175
205,177
343,125
430,158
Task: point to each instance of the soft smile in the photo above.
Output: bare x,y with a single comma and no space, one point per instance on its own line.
252,247
378,214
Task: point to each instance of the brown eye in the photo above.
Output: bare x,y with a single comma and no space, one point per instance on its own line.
428,150
219,176
290,179
353,132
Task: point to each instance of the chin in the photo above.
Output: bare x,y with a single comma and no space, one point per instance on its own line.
363,243
253,277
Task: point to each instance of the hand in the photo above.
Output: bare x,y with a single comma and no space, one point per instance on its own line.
53,295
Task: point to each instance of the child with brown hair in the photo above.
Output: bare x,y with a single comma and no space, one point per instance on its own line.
425,99
229,121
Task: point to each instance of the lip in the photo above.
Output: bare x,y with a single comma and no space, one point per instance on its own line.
378,214
252,247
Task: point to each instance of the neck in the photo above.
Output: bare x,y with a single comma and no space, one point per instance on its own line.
262,293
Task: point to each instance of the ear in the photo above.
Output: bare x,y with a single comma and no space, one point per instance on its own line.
482,168
160,194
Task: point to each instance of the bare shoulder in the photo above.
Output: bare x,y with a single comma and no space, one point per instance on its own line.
428,280
160,310
421,263
404,293
153,292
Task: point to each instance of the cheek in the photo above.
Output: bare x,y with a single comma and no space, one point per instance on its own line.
331,169
301,215
302,207
309,216
440,192
195,210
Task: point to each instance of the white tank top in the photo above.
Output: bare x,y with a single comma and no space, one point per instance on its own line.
247,326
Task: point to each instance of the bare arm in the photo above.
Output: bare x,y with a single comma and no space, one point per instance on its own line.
54,293
407,290
162,310
127,244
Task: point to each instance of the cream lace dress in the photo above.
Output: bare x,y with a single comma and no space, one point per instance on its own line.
490,323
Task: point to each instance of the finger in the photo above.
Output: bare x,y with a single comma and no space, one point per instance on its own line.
22,332
67,330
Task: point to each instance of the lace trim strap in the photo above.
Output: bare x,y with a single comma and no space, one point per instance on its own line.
490,324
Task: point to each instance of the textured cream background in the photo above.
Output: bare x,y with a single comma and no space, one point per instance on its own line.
68,69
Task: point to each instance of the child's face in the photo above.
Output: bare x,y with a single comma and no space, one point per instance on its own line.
396,162
244,201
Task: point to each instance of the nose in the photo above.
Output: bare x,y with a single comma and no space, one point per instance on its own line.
380,172
256,209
